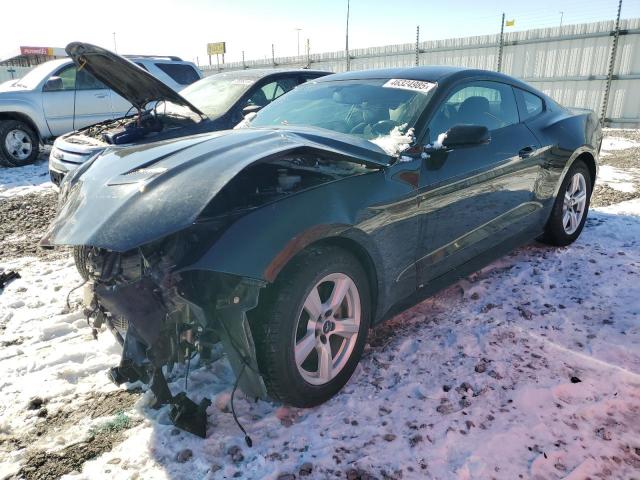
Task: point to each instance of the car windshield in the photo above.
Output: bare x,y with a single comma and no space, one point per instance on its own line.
365,108
214,95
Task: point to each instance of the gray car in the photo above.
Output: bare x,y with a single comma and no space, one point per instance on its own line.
56,97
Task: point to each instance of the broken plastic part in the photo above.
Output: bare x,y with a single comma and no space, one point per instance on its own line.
188,415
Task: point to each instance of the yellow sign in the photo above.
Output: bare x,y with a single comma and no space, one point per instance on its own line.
218,48
510,23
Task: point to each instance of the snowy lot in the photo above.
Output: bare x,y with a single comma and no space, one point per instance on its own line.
527,369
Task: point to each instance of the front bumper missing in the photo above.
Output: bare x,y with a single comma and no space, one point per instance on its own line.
147,347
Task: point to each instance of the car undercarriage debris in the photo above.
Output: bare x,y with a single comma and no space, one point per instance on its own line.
6,277
162,318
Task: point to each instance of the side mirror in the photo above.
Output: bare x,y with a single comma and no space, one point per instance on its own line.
251,109
53,84
466,135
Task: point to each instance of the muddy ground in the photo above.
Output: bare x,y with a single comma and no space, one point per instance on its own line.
40,464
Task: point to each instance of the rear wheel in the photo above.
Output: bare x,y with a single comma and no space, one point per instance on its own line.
571,207
19,144
312,326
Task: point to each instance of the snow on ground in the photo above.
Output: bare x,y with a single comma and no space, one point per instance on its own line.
30,179
612,143
624,180
529,368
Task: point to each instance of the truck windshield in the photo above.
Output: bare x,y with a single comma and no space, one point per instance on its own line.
365,108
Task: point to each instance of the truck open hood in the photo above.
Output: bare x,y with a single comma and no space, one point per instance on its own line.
124,77
132,196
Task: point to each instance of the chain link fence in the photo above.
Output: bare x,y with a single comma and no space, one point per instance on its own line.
570,63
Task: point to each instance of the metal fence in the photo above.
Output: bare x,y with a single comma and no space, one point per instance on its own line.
569,63
9,73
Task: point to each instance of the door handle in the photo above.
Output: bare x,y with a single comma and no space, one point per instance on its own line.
100,95
527,151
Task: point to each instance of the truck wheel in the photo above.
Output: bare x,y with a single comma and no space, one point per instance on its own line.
19,144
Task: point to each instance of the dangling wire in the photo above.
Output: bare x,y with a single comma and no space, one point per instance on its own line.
71,291
247,438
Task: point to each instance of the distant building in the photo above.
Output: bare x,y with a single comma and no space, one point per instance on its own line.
31,56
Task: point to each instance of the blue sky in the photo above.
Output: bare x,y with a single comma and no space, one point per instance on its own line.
184,27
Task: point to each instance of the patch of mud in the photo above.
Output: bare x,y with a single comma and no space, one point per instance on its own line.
43,465
95,406
23,221
604,195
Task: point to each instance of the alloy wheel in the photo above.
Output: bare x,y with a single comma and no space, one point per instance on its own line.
327,328
574,205
18,144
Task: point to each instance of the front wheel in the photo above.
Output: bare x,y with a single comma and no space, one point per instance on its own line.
312,326
571,206
19,144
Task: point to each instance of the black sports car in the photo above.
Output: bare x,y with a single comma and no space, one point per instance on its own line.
346,200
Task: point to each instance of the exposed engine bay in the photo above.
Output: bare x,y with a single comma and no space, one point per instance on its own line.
146,124
268,181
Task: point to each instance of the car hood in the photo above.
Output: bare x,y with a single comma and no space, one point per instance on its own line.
124,77
132,196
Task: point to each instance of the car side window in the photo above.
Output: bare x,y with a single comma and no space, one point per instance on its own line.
68,77
86,81
272,90
531,105
490,104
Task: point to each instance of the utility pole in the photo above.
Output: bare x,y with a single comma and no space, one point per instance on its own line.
417,45
298,32
612,63
115,48
561,17
346,47
273,55
243,65
501,44
308,54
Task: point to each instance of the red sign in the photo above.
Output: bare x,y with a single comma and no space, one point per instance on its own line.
35,51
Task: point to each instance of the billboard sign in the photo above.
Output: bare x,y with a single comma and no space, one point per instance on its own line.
218,48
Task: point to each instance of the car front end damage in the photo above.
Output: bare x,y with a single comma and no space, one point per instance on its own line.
151,227
162,317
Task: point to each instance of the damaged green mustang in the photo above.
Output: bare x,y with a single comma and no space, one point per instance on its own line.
336,206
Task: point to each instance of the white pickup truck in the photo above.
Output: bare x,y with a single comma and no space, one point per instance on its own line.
56,97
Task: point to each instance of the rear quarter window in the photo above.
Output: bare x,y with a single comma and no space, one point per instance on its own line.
531,105
182,74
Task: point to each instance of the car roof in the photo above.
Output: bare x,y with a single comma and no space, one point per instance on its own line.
429,73
265,72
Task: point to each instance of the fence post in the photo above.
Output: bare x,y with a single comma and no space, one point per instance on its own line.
346,45
612,63
501,44
417,45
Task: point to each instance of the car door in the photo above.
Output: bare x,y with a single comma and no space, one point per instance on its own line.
58,100
473,197
93,102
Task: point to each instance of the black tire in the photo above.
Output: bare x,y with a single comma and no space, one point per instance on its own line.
7,158
275,319
554,233
80,259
